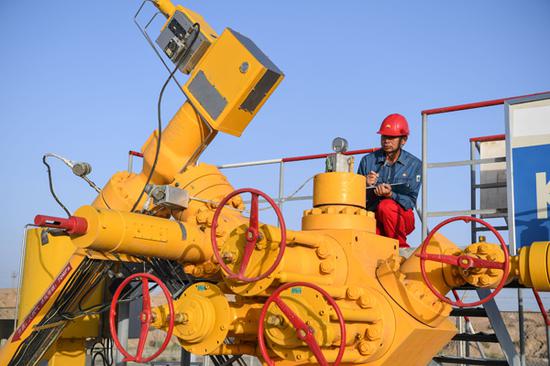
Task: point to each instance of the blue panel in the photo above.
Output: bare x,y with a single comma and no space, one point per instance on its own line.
528,161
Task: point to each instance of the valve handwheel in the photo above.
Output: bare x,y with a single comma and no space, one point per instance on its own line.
145,317
464,261
303,331
252,235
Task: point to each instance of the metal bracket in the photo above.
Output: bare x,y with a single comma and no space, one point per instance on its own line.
143,31
495,318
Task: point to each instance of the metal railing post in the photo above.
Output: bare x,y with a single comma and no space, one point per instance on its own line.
281,183
424,176
473,189
521,321
123,331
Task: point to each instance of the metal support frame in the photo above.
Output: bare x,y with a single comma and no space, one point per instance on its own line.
493,313
123,331
546,319
281,199
131,155
497,323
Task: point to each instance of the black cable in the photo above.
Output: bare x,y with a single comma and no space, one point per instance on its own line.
51,186
105,362
104,200
159,117
234,358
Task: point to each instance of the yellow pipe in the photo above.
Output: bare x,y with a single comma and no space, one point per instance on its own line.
532,266
166,7
123,189
137,234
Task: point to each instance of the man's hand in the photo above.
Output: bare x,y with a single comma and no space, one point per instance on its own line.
372,178
383,190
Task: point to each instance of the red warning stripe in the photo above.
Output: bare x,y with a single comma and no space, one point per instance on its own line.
40,304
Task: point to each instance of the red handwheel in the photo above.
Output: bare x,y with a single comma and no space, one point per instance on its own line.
252,235
145,317
303,331
464,261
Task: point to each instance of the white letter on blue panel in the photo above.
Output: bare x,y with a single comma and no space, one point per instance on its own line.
543,196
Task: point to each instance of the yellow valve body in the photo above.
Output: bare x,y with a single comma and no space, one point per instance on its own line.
391,316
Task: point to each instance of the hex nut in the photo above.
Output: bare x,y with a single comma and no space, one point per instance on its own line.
365,301
353,293
365,348
323,251
374,332
327,266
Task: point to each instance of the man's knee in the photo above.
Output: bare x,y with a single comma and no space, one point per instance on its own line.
387,206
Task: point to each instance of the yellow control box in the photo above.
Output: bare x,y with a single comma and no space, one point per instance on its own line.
231,82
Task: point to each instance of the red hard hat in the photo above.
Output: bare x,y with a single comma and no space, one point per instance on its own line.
394,125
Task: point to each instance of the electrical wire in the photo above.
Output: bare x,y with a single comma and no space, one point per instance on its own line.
52,191
159,117
70,164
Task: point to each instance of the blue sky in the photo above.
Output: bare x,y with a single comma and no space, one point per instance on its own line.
77,78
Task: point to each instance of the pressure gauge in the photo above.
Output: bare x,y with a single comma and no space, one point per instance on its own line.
339,145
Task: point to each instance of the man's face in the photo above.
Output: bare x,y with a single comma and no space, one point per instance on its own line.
391,144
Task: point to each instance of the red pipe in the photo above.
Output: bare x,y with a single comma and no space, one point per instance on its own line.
488,138
135,153
321,156
74,225
487,103
541,307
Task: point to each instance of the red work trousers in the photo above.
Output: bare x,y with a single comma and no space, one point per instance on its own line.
394,221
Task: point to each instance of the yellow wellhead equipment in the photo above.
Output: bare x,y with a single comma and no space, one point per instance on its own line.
333,292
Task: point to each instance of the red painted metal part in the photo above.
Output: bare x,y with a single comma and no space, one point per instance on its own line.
322,156
303,331
135,153
455,293
145,317
488,138
252,235
542,308
486,103
464,261
73,225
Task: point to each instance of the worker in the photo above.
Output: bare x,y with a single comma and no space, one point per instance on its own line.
393,180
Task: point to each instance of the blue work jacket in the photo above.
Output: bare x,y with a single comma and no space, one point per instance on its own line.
406,172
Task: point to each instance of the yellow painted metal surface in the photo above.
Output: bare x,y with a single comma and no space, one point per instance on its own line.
138,234
68,352
339,188
202,318
391,316
338,217
123,189
532,266
232,70
43,305
42,264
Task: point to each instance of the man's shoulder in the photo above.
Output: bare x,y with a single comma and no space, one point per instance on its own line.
368,162
373,155
411,158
